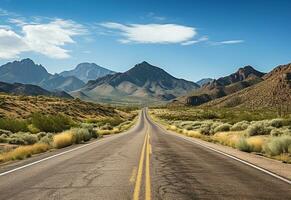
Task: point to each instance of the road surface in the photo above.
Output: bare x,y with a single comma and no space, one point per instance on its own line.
143,163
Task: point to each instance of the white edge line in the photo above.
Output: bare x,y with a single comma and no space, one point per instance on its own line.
65,152
47,158
228,155
62,153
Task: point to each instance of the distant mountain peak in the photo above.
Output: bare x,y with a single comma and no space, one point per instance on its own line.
142,83
87,71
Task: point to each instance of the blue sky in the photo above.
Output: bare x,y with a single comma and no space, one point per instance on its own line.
189,39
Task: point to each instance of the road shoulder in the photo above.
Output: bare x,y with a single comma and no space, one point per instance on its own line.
274,166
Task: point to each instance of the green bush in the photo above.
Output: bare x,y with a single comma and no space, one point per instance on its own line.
243,145
90,128
3,138
46,140
240,126
22,138
16,140
5,132
277,123
13,125
258,128
80,135
51,123
222,127
278,145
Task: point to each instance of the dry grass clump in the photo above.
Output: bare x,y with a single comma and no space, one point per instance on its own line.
62,140
256,143
194,134
228,138
23,152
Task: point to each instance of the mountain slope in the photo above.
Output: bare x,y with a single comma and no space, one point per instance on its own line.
27,72
87,71
30,90
273,91
204,81
142,83
243,78
24,71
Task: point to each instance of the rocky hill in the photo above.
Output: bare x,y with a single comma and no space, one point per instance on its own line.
144,83
273,91
30,90
244,77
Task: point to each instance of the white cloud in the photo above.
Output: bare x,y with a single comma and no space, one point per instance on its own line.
152,33
190,42
47,39
231,42
11,44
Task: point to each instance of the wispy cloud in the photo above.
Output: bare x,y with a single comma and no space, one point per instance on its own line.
152,15
44,38
230,42
190,42
152,33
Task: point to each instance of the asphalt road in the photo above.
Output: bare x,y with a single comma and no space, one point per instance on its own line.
143,163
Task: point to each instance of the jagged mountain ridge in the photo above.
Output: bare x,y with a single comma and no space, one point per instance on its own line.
143,82
244,77
27,72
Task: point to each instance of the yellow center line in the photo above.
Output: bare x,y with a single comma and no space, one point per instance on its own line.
133,175
148,176
140,170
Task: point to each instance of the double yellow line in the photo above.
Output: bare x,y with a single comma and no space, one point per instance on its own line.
145,154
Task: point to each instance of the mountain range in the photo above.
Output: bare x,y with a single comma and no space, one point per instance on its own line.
243,78
27,72
144,83
87,71
30,90
147,84
273,91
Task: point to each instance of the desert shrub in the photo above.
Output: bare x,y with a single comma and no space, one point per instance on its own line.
205,129
16,140
41,134
80,135
258,128
29,138
240,126
278,145
23,152
90,128
222,127
243,145
31,128
3,138
51,123
13,125
22,138
63,139
46,140
106,127
277,123
5,132
276,132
